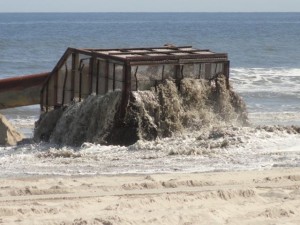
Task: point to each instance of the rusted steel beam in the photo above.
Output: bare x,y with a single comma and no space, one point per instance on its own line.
173,57
140,58
21,91
129,49
160,53
178,61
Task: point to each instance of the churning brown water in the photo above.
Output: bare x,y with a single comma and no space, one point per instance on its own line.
194,126
163,111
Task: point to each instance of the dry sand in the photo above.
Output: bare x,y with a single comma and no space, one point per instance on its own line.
255,197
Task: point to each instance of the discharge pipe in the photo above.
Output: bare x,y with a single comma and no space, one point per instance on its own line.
22,90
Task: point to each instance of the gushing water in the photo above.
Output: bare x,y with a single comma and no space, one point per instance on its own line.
196,126
169,109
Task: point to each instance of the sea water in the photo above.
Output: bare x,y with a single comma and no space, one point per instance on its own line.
265,71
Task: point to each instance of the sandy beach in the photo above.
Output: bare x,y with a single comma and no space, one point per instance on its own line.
246,197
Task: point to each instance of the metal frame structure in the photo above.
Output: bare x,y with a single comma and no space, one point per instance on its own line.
82,72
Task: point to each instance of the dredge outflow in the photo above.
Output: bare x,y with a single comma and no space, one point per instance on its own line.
118,96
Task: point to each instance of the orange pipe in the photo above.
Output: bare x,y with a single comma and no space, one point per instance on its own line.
22,90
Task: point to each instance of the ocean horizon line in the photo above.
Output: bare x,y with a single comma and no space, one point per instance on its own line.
137,12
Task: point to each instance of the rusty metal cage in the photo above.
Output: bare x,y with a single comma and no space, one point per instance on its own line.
82,72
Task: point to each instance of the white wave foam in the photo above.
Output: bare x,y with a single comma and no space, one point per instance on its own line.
229,148
24,124
275,118
272,94
280,80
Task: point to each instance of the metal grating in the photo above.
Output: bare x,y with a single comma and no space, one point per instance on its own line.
82,72
155,53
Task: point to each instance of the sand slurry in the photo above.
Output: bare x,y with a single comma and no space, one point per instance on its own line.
8,133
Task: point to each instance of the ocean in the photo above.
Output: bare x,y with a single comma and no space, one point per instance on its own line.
265,71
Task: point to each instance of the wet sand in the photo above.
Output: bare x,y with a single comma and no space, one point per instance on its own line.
247,197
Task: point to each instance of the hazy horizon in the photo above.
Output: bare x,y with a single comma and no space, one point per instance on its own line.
152,6
150,12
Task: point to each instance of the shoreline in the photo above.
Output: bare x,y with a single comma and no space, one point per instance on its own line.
238,197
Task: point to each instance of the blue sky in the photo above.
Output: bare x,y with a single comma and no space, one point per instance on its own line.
149,5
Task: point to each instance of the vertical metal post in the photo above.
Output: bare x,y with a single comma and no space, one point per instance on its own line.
136,81
127,77
80,79
75,62
98,74
42,100
177,75
90,75
163,72
200,70
114,77
55,91
207,71
181,72
64,85
126,89
216,69
106,75
226,73
92,71
47,96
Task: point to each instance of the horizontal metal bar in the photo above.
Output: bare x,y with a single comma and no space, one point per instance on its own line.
156,52
146,63
173,57
177,62
128,49
97,54
197,61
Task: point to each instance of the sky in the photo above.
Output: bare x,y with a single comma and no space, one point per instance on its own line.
149,5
